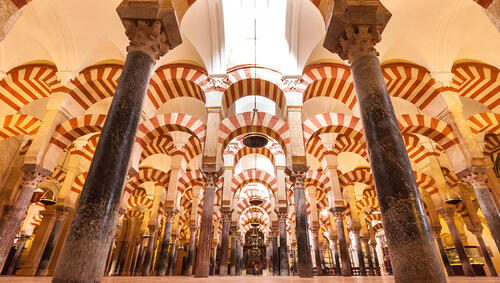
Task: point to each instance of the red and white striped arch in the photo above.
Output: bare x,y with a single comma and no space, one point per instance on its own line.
329,80
161,144
77,127
77,186
88,150
416,151
485,122
369,193
333,123
253,213
165,123
358,175
191,178
410,82
146,175
253,86
425,182
367,202
264,151
430,127
239,124
177,80
18,124
139,197
254,176
492,144
26,84
244,203
94,84
479,82
317,179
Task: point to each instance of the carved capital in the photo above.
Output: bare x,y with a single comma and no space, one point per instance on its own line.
447,213
31,178
274,232
338,213
62,211
211,178
193,229
297,177
282,216
436,231
355,28
170,213
219,81
477,176
226,216
147,37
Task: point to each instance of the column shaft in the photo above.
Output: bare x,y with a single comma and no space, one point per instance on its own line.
171,259
444,256
203,254
190,255
276,264
406,227
148,255
361,257
284,264
459,246
49,247
317,253
224,244
163,257
302,233
486,256
95,218
19,249
338,272
232,270
343,248
369,257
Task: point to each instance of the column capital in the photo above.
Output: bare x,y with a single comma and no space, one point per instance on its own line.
447,213
193,228
315,228
151,26
32,175
281,216
338,212
297,175
355,28
211,177
436,231
226,215
477,176
62,211
170,213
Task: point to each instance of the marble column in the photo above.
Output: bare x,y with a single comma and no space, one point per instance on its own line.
436,233
373,246
448,214
317,251
226,222
234,231
338,214
61,213
353,32
140,257
305,268
14,218
336,257
478,178
366,243
173,248
284,264
294,257
487,259
148,255
214,257
163,257
190,256
15,258
96,212
269,254
203,253
359,251
276,264
237,262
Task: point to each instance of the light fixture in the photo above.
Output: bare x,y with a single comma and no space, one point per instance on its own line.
255,200
48,198
255,140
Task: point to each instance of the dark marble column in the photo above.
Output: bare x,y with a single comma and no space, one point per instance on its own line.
135,258
368,256
317,251
140,257
118,252
238,256
276,263
171,259
163,257
19,249
226,222
14,218
190,257
203,253
478,178
148,255
214,257
269,254
61,213
448,215
284,264
353,33
96,212
375,258
338,214
294,257
359,252
436,233
338,272
234,231
484,251
305,268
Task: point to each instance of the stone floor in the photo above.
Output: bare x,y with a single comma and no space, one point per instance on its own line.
249,279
